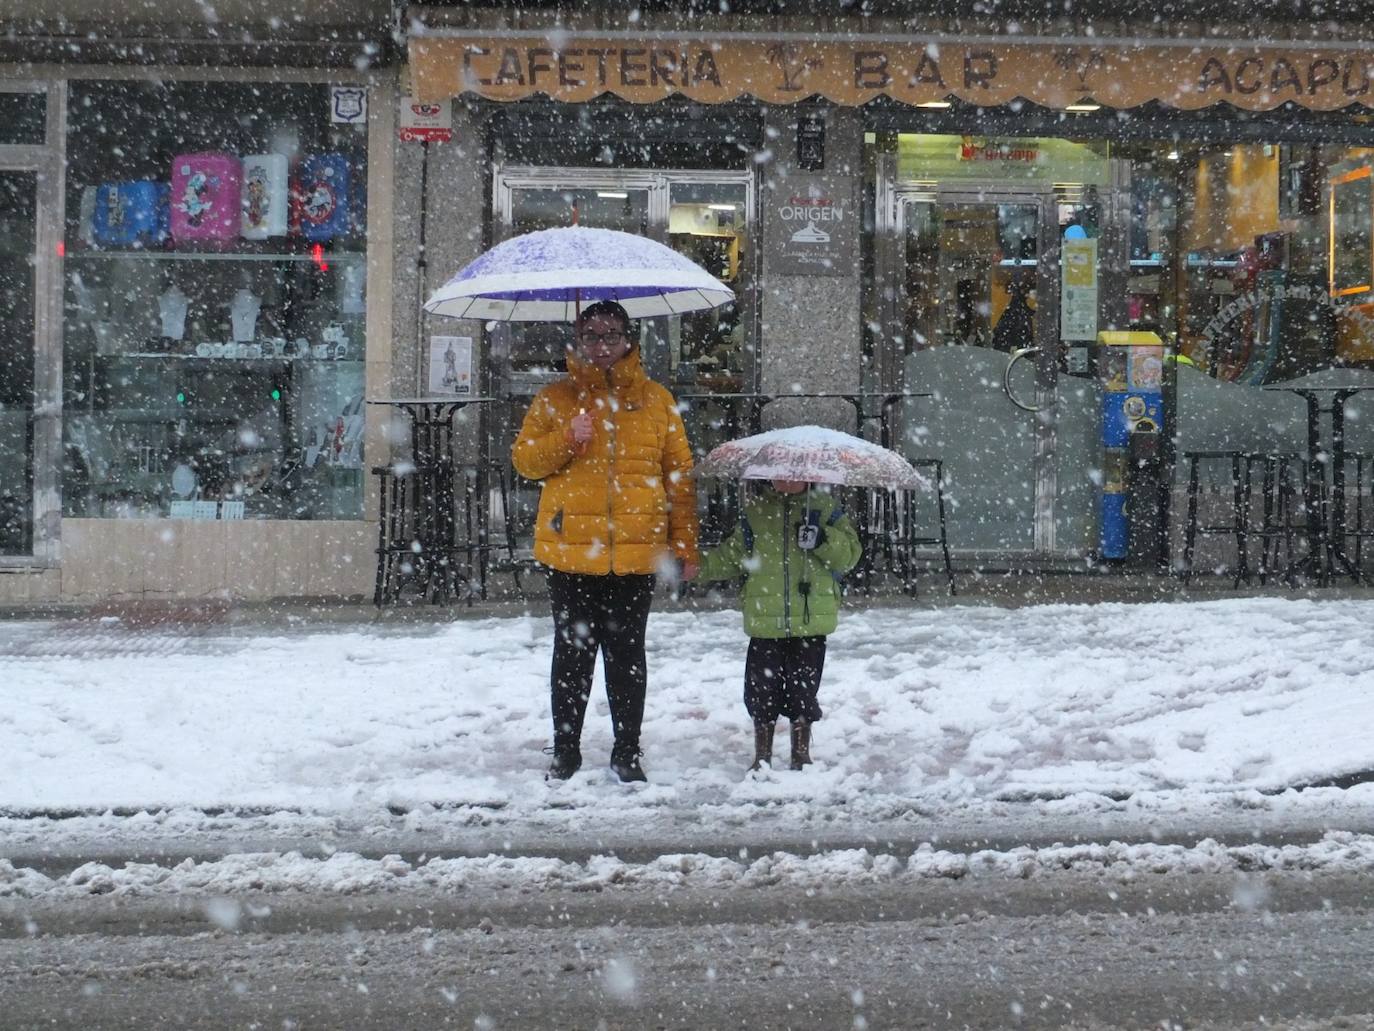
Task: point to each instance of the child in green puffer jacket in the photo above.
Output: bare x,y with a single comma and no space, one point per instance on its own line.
792,545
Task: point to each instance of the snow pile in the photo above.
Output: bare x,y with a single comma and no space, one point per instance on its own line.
350,874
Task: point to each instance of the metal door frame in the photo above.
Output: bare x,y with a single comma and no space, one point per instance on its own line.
893,203
506,179
45,160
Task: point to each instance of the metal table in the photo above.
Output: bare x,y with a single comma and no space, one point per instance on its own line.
1325,517
417,536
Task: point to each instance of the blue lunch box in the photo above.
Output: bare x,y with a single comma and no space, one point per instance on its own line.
325,196
131,214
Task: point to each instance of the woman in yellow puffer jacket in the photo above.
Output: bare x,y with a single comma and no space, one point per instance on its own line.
618,505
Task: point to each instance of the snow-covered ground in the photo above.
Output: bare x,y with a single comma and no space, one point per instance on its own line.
944,706
275,755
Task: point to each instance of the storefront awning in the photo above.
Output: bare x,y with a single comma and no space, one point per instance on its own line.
642,69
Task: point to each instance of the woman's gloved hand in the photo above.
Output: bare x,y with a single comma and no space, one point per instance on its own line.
579,432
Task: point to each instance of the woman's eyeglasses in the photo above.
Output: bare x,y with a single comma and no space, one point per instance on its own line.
614,337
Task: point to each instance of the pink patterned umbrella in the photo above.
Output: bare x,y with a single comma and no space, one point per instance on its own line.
811,454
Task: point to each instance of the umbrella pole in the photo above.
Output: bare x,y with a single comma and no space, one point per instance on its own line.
577,291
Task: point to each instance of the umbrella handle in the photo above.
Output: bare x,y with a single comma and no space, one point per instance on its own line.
1016,356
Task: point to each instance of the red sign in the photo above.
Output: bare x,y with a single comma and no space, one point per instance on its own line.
428,123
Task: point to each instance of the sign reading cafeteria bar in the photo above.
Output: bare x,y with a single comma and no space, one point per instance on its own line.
855,71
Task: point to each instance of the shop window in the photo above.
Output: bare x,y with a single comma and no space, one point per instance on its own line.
23,118
214,303
706,222
18,225
1275,241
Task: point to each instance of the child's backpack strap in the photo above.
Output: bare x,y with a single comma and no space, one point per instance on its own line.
747,532
836,514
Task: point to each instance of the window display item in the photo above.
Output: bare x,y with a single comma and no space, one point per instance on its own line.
86,215
323,197
206,199
183,480
352,282
243,315
131,214
107,337
264,196
93,303
171,306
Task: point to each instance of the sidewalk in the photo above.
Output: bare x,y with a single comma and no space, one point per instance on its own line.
1000,589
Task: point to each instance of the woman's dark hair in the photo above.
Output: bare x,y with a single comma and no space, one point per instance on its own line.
612,308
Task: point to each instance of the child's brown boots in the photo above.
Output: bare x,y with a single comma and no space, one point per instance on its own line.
763,744
801,745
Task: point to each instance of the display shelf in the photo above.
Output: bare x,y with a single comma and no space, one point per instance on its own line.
261,360
291,256
189,413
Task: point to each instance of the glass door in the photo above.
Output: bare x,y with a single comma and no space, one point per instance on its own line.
18,382
706,358
526,355
977,278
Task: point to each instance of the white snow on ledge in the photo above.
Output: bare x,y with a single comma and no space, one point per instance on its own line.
351,874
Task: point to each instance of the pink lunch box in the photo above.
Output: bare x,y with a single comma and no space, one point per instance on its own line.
207,192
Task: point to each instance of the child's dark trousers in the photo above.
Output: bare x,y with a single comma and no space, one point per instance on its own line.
782,678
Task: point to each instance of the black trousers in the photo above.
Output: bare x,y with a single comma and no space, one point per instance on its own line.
606,614
782,678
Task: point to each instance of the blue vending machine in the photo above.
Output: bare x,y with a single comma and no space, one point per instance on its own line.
1131,367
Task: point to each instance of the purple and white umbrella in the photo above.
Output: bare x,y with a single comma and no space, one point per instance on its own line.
811,454
546,276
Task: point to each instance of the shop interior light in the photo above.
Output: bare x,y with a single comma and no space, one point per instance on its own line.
1083,106
612,194
722,207
1173,155
935,105
317,256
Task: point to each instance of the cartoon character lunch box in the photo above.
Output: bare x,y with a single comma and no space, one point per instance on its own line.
323,193
206,199
130,214
265,196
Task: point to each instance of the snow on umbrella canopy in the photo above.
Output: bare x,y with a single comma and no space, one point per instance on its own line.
811,454
547,275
